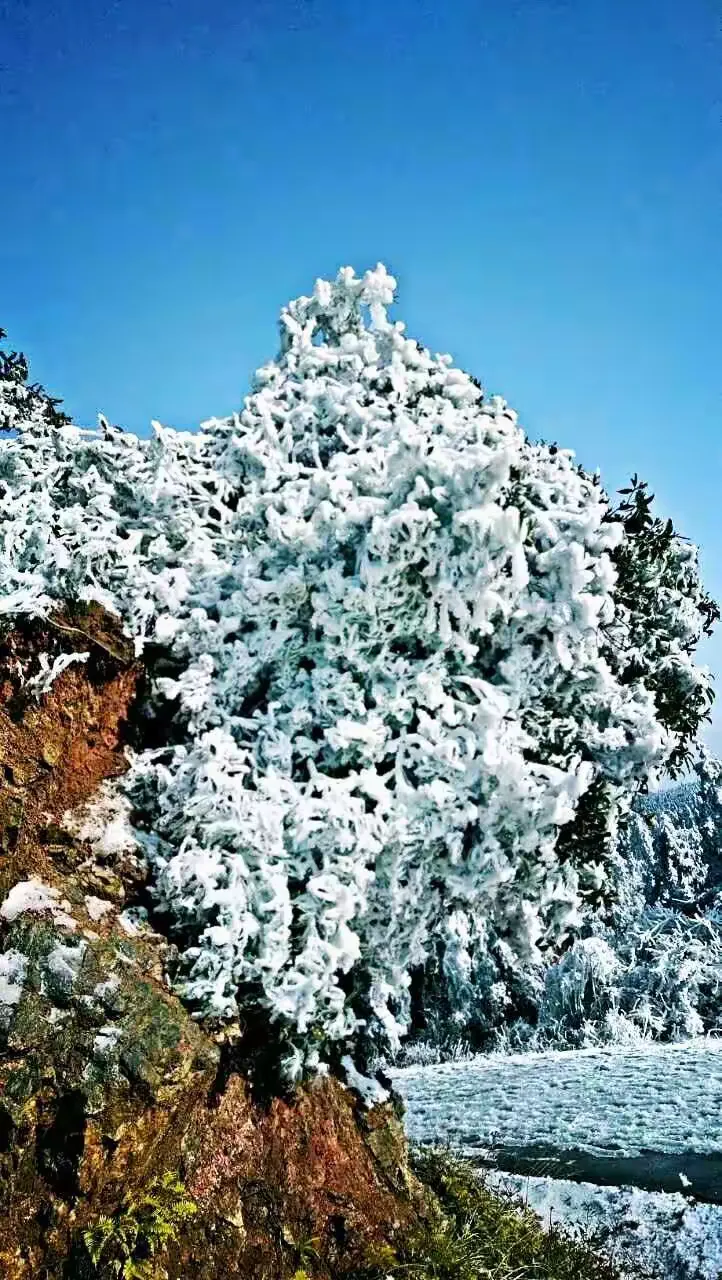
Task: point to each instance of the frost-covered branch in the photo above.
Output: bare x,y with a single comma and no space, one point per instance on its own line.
387,619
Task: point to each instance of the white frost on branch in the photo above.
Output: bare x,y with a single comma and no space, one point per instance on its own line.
385,613
43,681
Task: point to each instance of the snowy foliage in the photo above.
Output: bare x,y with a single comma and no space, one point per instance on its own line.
661,979
653,970
670,852
662,612
383,626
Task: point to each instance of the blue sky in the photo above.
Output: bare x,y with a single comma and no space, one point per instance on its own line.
544,177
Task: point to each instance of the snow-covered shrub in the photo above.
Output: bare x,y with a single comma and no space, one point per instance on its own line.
381,623
580,993
670,850
661,979
654,970
651,967
673,987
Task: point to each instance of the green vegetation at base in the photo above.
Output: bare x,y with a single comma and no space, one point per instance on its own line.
129,1243
483,1234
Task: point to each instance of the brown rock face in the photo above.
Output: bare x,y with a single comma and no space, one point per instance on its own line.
56,749
107,1085
314,1174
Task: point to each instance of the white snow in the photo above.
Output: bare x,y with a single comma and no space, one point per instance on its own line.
607,1102
64,961
107,988
679,1237
655,1102
370,1090
97,907
106,1041
104,822
35,897
13,967
133,920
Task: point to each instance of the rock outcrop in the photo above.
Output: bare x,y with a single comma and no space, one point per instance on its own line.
125,1129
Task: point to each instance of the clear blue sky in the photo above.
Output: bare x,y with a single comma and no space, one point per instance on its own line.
544,177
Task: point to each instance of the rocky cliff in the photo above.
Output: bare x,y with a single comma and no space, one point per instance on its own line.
131,1142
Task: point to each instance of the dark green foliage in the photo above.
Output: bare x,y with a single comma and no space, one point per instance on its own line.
482,1234
31,398
129,1243
655,567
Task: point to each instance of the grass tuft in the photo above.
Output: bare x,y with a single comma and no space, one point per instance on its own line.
482,1234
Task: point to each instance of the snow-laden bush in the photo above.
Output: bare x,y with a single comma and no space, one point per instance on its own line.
654,969
669,852
393,661
661,980
650,968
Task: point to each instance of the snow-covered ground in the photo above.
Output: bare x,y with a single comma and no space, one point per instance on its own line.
606,1102
679,1238
644,1117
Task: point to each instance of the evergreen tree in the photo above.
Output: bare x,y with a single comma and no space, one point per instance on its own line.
405,697
20,400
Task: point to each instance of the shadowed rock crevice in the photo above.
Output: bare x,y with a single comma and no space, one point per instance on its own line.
60,1146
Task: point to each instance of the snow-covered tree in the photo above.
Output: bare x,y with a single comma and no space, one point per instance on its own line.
670,851
663,610
653,967
20,400
391,661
